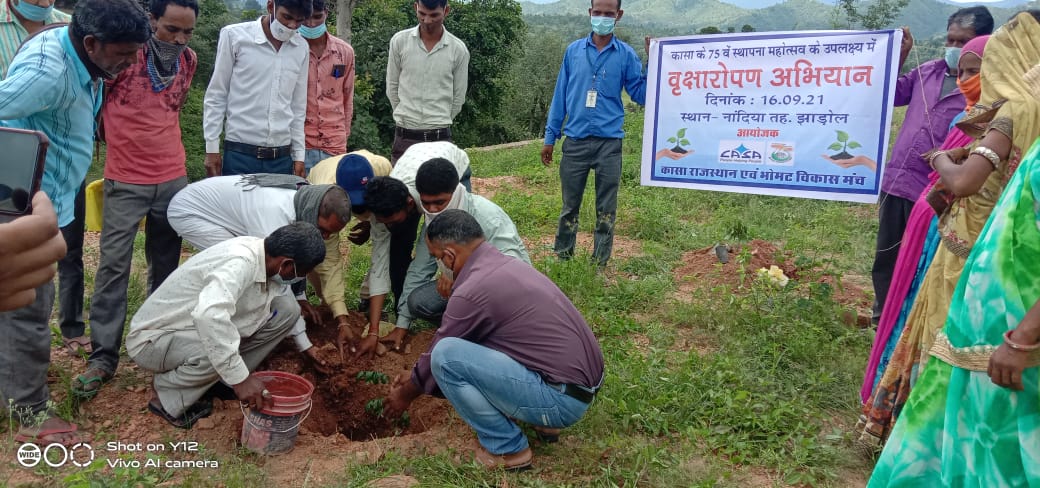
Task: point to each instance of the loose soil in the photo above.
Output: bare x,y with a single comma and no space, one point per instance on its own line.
702,271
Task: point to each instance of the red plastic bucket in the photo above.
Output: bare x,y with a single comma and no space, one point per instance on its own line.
273,430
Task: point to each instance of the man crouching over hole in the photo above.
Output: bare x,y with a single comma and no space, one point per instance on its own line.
511,348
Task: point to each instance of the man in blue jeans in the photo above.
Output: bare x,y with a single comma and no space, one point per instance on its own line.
511,347
588,95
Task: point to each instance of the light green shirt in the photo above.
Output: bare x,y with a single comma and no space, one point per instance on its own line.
12,34
426,89
499,231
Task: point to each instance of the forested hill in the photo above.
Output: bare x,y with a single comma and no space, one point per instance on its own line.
926,18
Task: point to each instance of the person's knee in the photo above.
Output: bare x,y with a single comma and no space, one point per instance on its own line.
285,311
445,351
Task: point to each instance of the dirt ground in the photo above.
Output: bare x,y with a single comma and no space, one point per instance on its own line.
701,270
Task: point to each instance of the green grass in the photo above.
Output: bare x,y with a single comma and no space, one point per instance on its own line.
755,388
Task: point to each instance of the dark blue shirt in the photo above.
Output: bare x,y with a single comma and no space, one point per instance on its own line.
585,68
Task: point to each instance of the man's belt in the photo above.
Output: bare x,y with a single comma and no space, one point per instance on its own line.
259,152
427,135
581,393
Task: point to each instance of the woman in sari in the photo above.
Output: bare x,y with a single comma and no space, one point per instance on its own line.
921,237
1003,124
974,416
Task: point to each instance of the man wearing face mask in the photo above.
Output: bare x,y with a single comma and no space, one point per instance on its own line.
438,188
588,95
20,19
330,90
144,169
217,317
932,98
54,85
257,96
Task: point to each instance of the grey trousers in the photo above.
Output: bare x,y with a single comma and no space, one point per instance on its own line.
70,271
25,355
125,205
603,156
183,371
425,303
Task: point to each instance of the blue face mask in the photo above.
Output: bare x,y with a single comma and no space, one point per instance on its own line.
312,32
953,55
277,278
602,25
34,13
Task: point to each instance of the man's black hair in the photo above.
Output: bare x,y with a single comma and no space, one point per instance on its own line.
110,21
454,226
317,6
436,176
386,196
433,4
303,8
158,7
976,18
618,4
299,241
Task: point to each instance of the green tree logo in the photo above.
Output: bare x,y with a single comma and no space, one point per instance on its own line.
843,144
679,140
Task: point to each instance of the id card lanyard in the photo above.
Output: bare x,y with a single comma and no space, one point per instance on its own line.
593,94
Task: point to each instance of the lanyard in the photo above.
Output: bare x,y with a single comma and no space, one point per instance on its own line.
601,58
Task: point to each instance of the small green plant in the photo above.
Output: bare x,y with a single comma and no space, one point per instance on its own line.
374,407
843,144
373,377
679,140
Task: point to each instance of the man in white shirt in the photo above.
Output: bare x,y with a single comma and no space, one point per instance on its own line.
217,317
257,95
426,78
213,210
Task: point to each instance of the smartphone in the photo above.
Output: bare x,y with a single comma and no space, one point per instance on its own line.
22,157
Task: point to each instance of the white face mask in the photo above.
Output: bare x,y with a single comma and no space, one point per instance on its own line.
280,31
455,202
445,270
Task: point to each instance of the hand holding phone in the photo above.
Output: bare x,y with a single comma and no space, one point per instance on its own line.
21,170
29,247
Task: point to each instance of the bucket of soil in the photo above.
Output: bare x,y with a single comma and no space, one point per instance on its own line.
272,430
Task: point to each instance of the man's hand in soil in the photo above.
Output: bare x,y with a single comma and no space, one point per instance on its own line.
395,338
360,232
402,393
345,341
444,285
251,393
310,313
318,363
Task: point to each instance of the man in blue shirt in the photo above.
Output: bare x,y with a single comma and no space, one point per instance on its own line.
54,86
588,94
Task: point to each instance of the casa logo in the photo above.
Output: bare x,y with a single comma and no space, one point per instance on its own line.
747,152
55,455
781,154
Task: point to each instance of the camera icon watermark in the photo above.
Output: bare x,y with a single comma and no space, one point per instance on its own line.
55,455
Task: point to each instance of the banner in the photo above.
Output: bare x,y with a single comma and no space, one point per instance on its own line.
799,114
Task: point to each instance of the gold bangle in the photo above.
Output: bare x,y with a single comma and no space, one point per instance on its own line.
932,155
989,154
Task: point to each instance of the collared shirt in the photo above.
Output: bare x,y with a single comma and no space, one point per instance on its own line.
142,127
242,210
585,69
49,89
426,89
505,305
261,91
330,271
499,231
223,293
404,171
330,97
925,127
13,34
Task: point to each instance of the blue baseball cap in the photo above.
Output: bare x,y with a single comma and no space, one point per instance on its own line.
352,175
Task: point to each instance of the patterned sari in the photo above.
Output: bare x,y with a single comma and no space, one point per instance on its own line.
960,429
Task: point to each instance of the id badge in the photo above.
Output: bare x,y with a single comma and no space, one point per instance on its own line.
590,99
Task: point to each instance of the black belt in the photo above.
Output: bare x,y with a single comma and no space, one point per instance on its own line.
580,393
259,151
428,135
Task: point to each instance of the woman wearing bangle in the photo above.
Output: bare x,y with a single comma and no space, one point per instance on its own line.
967,423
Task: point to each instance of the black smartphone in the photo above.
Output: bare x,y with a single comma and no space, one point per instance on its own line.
22,157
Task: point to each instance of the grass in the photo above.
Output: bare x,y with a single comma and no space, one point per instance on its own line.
766,396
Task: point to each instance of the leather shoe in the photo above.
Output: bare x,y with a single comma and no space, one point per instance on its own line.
547,435
510,462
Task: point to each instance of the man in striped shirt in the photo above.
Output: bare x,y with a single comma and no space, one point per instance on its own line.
54,85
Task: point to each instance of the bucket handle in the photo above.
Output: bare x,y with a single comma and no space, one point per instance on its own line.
310,405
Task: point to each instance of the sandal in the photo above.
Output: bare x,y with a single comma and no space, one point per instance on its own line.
201,409
88,384
49,435
77,346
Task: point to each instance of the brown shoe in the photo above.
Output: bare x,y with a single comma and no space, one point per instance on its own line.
510,462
